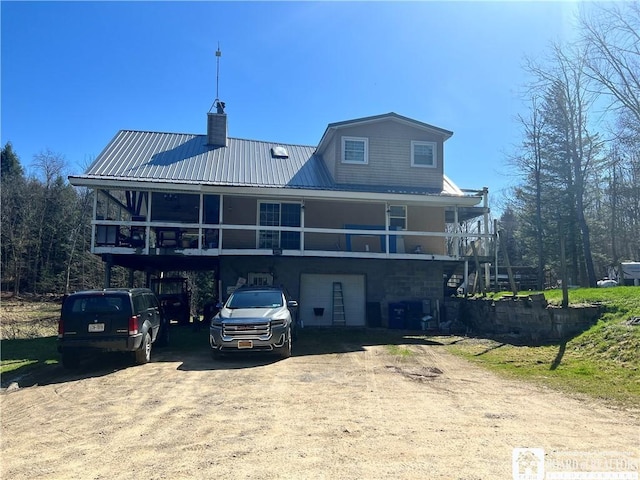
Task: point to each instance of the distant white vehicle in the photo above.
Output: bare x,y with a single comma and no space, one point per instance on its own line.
606,282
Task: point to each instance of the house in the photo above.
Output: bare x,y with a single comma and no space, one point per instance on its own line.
366,219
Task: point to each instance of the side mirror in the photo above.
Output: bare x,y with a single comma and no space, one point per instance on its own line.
292,304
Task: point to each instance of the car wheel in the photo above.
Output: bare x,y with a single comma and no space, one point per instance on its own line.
143,354
70,359
285,350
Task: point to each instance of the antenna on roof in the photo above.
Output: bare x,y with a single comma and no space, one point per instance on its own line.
217,103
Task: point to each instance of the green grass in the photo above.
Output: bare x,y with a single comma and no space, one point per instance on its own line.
400,351
602,362
20,355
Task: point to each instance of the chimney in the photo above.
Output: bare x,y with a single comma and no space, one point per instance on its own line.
217,126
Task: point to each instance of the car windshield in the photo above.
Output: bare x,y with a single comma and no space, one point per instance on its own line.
255,299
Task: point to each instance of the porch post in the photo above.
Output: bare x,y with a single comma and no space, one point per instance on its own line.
302,226
108,263
456,231
220,219
485,204
386,227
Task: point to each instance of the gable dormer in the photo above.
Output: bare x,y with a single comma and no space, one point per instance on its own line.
389,150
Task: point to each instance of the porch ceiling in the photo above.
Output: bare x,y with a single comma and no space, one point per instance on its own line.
164,263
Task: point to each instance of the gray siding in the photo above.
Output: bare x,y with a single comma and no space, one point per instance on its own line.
389,156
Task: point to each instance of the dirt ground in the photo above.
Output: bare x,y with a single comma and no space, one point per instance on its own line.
358,412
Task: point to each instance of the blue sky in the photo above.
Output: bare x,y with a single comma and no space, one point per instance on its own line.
74,73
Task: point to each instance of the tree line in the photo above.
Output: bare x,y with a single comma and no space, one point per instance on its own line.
576,199
45,229
577,195
46,234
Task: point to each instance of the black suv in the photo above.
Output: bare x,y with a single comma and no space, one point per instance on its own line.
110,320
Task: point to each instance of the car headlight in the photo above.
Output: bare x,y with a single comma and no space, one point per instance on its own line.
277,322
216,322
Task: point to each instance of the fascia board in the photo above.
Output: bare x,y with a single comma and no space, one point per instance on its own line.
435,200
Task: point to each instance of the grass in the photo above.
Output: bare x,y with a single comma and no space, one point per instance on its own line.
400,351
602,362
21,355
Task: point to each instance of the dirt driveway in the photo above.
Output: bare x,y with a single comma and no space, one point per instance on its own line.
356,411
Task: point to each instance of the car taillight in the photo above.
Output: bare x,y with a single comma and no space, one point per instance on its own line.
60,328
133,325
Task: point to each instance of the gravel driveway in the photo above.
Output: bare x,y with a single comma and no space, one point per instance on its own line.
350,411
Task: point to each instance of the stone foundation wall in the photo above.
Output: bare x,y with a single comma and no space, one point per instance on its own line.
528,317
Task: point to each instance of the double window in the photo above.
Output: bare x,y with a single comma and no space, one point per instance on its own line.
355,150
279,215
423,154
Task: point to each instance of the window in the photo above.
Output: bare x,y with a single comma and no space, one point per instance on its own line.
423,154
175,207
260,279
279,215
355,150
398,217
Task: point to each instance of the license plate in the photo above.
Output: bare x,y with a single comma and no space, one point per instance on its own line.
245,343
96,327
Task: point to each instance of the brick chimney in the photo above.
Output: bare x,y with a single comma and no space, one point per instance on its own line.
217,126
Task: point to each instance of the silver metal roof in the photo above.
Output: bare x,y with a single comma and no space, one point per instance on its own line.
154,157
186,158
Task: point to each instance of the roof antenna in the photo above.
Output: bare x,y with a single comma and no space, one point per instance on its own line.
217,103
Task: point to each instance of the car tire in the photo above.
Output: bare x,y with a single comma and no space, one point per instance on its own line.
143,354
285,350
70,360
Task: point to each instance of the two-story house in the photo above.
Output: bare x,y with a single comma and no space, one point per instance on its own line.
366,218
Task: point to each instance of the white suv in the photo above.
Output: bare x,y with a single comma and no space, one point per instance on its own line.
254,319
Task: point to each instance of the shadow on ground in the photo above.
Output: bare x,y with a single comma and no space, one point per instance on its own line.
189,346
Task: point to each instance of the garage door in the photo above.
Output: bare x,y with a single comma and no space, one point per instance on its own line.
316,299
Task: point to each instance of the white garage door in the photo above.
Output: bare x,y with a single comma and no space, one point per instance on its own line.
316,292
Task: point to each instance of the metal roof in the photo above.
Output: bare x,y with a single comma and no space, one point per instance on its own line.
187,159
391,116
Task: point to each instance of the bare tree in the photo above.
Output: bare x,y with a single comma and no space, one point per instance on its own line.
611,37
569,142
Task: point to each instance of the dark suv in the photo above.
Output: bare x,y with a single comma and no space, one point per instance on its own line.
254,318
110,320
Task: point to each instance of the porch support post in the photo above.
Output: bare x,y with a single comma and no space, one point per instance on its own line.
386,228
466,277
302,226
108,263
95,214
496,245
456,230
220,220
485,204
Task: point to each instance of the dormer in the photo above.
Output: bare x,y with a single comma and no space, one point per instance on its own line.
388,150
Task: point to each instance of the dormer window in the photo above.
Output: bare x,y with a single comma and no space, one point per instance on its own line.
355,150
423,154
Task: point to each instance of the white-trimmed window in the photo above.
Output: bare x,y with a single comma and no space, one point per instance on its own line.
423,154
398,217
355,150
279,215
260,279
